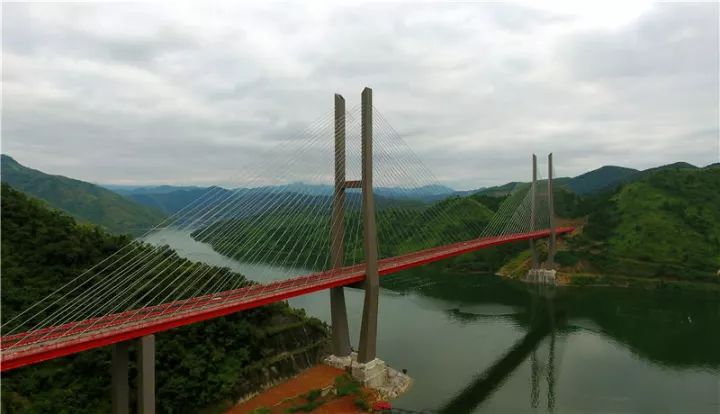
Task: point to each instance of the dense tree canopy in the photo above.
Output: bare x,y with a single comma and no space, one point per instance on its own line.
198,366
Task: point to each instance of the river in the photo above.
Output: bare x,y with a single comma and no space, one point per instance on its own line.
478,343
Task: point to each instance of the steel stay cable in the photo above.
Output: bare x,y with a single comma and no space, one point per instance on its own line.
424,212
173,217
38,303
263,258
198,201
252,261
138,300
426,172
500,217
137,270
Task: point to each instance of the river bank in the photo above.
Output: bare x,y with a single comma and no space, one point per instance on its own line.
582,273
604,280
592,279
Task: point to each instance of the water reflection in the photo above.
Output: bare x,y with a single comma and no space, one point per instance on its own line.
545,319
676,328
478,343
670,337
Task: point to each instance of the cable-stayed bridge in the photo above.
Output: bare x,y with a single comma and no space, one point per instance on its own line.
337,232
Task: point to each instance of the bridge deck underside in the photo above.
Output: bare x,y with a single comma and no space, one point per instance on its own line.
43,344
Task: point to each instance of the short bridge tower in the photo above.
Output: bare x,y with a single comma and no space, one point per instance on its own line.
545,272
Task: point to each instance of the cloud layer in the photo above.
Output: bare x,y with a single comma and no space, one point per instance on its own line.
133,93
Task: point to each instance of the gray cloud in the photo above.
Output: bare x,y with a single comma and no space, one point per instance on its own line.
151,93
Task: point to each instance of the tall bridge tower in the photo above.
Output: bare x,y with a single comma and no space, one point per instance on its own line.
369,369
338,311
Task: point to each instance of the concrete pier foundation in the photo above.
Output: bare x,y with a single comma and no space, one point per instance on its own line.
371,374
146,375
543,276
388,382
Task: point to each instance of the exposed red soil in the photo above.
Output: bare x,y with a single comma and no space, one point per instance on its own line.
279,398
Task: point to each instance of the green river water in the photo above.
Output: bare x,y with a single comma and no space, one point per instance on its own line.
478,343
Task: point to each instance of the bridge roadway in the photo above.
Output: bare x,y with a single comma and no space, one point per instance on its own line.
53,342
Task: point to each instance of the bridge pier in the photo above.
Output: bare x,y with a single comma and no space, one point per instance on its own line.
120,389
146,374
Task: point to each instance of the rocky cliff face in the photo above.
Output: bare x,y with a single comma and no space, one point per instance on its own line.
292,344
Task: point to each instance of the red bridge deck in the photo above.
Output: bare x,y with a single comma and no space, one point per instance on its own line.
53,342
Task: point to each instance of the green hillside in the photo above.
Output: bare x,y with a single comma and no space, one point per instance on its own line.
499,190
301,238
172,201
600,179
593,182
667,223
84,201
209,364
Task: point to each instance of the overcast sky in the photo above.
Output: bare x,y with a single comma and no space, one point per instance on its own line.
148,94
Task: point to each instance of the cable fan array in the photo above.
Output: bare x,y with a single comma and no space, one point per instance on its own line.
275,223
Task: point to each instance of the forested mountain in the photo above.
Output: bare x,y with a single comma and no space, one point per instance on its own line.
84,201
176,199
673,166
212,363
147,189
663,223
590,183
301,237
601,179
499,190
245,202
171,199
666,223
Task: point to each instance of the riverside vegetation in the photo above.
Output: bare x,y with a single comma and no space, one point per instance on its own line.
661,224
200,367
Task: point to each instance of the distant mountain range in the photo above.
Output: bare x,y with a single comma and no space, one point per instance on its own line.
150,189
592,182
172,199
85,201
422,192
129,208
600,179
663,222
237,202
